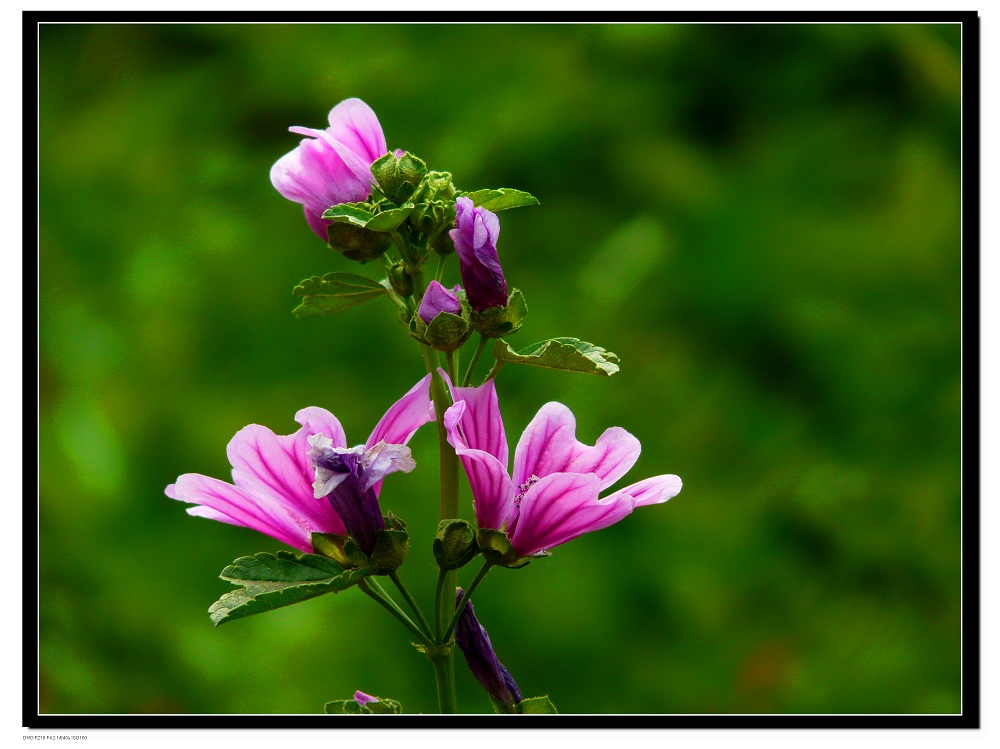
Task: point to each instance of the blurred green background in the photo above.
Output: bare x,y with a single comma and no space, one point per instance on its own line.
762,221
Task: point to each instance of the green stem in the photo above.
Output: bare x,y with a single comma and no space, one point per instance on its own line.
449,358
440,269
493,372
483,340
444,672
394,576
379,596
444,665
465,598
438,590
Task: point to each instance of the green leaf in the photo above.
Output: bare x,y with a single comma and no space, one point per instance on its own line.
270,581
569,354
502,199
496,322
361,214
389,220
536,706
334,292
358,214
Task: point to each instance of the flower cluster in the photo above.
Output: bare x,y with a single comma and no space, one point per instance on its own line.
315,493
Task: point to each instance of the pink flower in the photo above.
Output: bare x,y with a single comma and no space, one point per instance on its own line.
274,477
553,496
332,166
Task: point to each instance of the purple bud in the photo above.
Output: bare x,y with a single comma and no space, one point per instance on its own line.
438,299
398,153
475,237
475,645
363,699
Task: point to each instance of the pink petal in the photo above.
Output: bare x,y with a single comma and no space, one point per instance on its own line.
242,508
652,491
549,445
492,490
276,469
482,423
354,124
562,506
315,175
405,416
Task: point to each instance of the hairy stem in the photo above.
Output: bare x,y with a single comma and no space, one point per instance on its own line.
374,591
483,340
394,576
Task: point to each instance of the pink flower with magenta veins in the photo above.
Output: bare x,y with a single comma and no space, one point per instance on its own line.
553,495
290,486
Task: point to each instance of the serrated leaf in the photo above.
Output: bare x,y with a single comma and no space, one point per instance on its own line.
271,581
502,199
536,706
389,220
385,707
334,292
358,214
568,354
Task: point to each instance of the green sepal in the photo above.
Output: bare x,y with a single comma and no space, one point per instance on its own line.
455,544
398,176
334,292
502,199
331,545
536,706
496,322
446,332
392,544
568,354
355,554
385,707
351,707
497,550
271,581
501,707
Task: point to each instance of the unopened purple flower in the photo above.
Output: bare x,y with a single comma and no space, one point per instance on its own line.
363,699
553,496
346,476
475,237
438,299
331,166
472,640
273,475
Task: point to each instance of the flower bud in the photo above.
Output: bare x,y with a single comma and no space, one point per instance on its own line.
438,299
472,640
356,243
398,174
475,237
400,280
435,207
